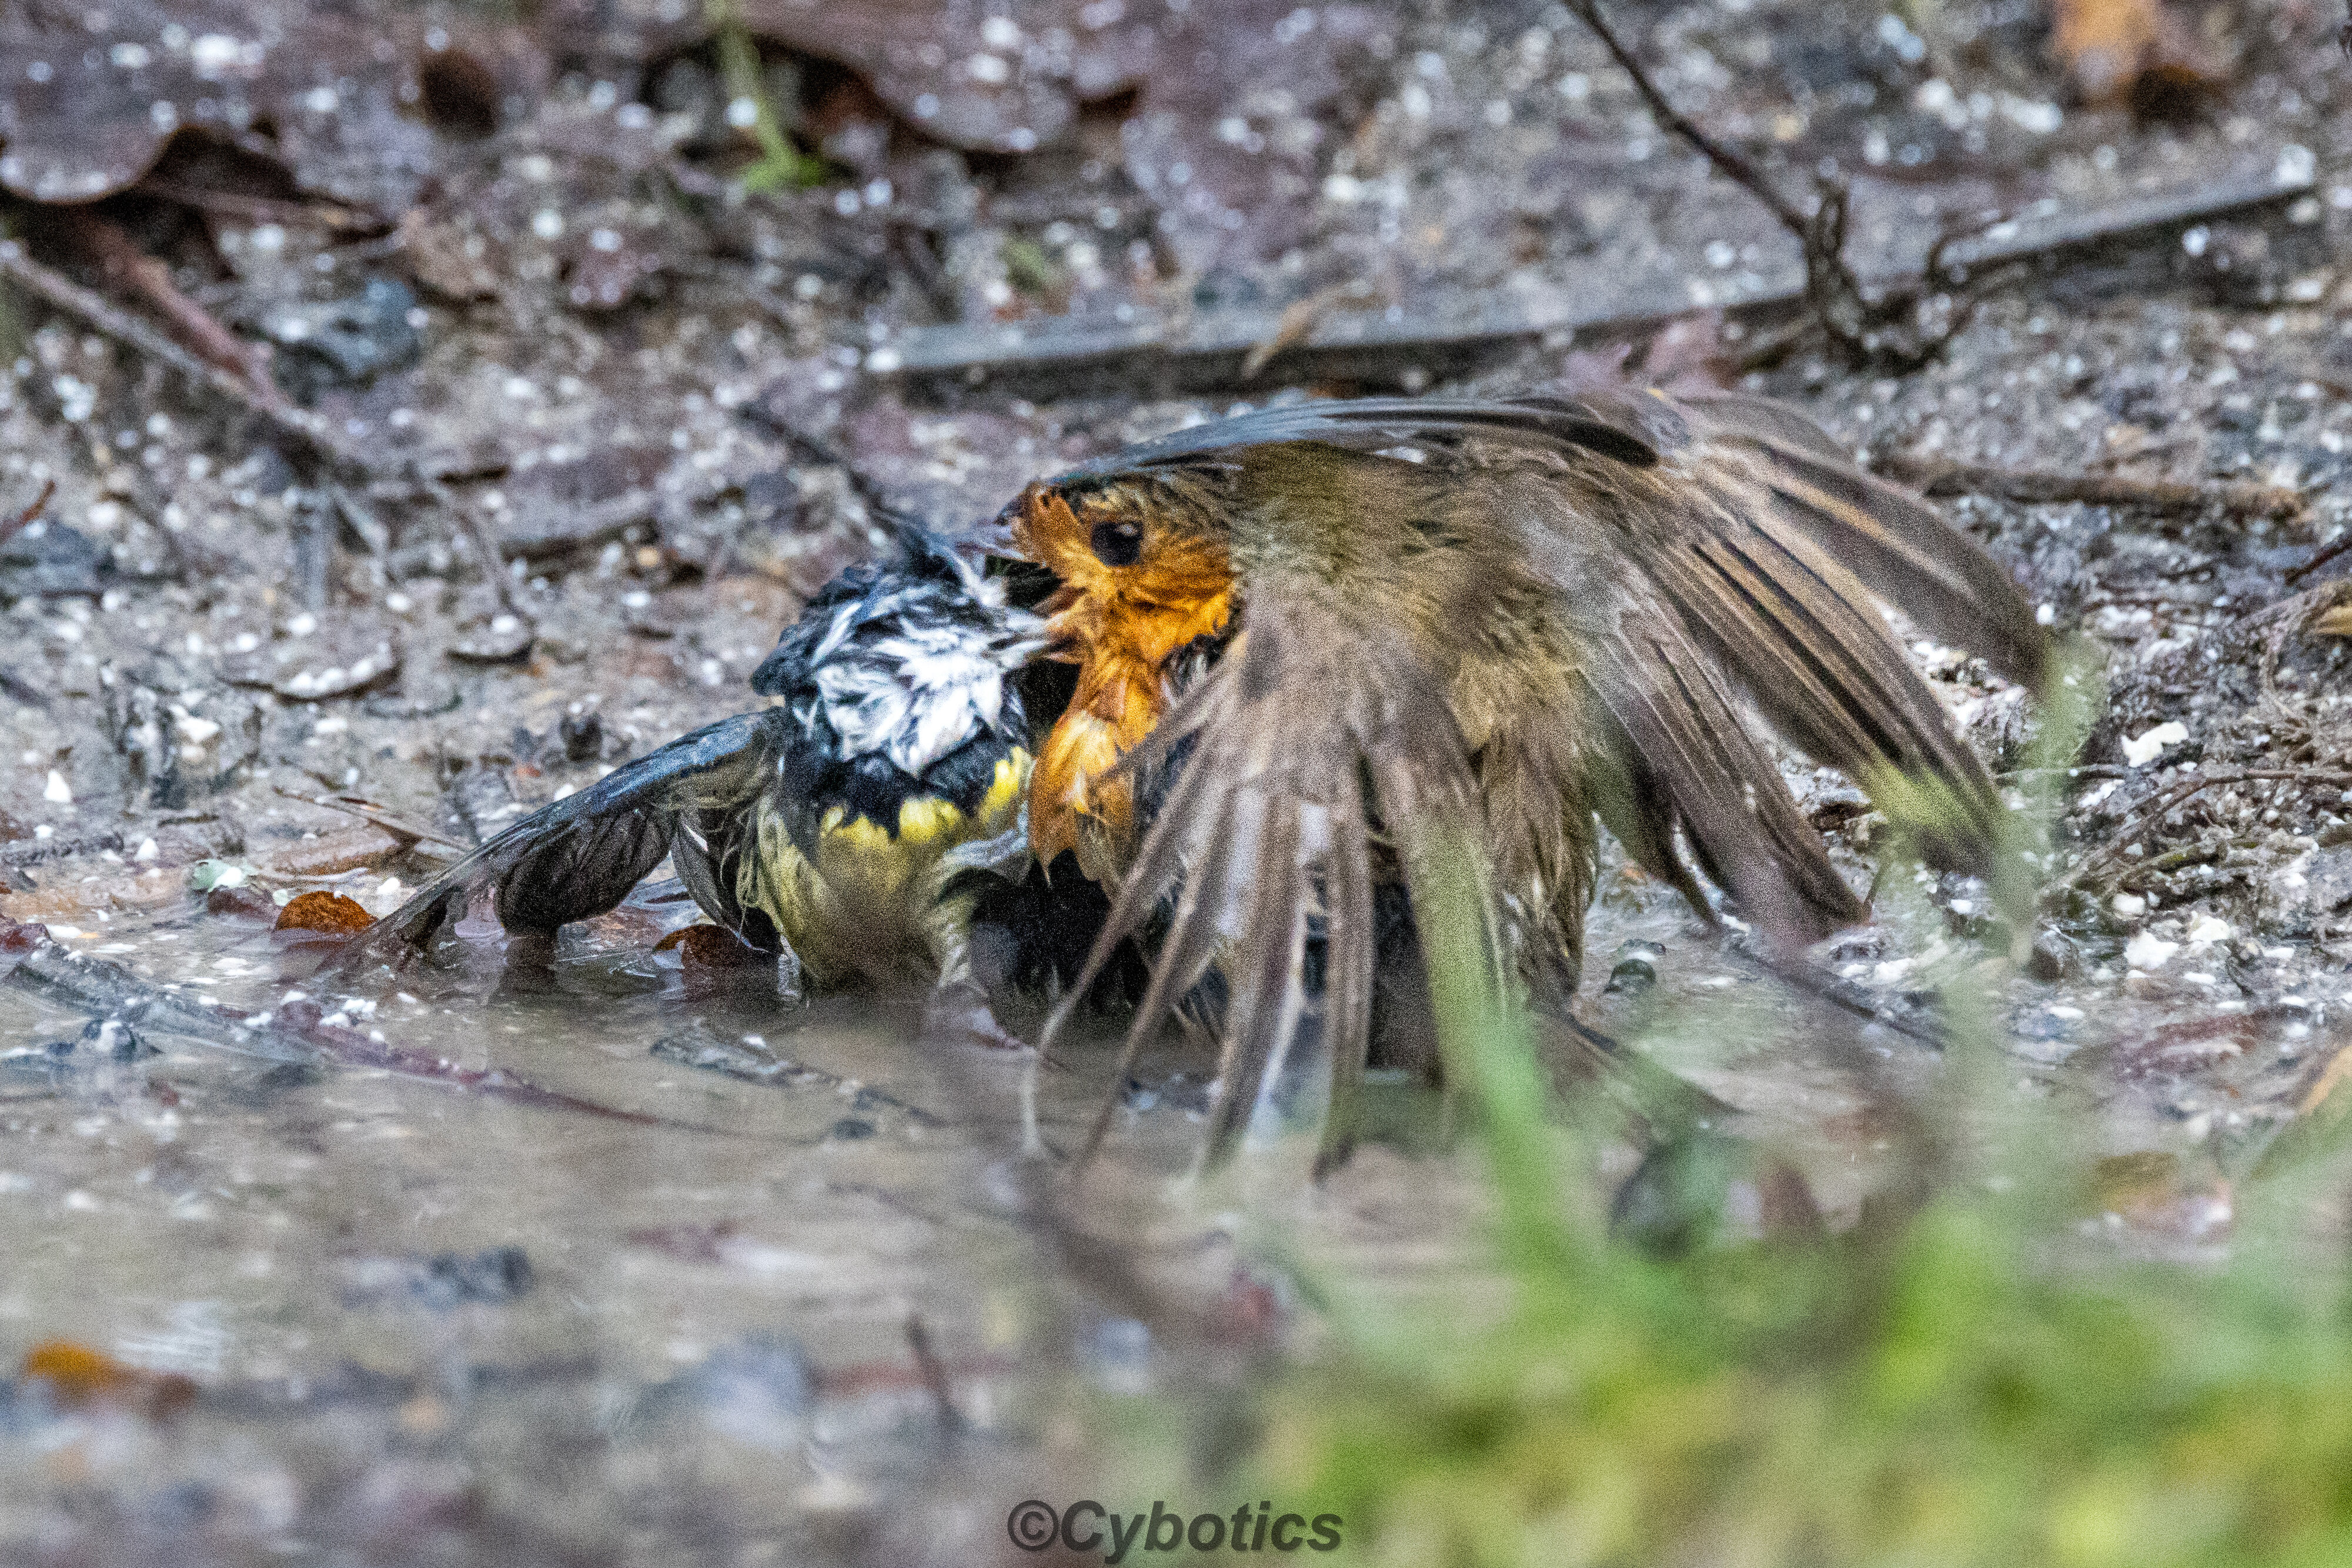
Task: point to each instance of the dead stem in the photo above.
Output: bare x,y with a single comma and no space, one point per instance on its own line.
2044,487
2181,792
128,270
1889,331
377,816
10,526
304,431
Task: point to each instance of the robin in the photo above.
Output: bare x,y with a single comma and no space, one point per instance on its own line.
1321,645
835,825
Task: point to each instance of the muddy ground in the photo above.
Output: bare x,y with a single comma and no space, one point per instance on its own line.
425,1320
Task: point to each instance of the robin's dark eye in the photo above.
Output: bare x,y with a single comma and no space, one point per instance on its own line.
1116,544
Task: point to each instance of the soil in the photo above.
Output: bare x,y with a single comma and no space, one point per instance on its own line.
427,1320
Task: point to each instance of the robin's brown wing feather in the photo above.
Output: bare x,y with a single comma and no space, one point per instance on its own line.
579,857
1894,543
1316,724
1370,423
1796,628
1762,547
1679,717
1897,545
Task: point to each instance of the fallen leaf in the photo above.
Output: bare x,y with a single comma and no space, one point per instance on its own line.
92,97
78,1375
330,914
331,854
711,947
998,78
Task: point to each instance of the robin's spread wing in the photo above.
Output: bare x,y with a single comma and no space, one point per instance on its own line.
1745,563
1897,545
1316,746
579,857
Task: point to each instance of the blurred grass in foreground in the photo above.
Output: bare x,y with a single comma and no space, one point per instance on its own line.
1960,1381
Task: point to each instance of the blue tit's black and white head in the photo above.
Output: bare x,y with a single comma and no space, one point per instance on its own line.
900,677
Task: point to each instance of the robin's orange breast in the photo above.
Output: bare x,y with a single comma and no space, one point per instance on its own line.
1120,621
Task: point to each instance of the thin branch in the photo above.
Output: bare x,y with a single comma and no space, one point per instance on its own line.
302,1032
1733,162
1892,331
2181,792
131,271
10,526
95,311
2043,486
332,216
2326,553
305,431
377,816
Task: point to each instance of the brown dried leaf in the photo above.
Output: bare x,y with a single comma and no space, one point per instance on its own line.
89,99
502,639
360,848
711,947
328,914
78,1375
1226,136
580,500
995,78
447,258
1686,354
1226,132
611,267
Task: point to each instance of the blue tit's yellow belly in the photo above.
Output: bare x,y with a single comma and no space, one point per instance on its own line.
868,902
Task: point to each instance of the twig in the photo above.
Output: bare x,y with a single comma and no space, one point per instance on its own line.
1843,994
2326,553
824,453
1862,326
935,1375
2041,486
295,1032
1163,352
485,544
1300,320
333,217
128,270
2179,793
305,431
375,816
9,527
94,310
1729,159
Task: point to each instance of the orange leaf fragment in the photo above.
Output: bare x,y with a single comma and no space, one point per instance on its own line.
78,1375
330,913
